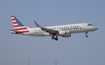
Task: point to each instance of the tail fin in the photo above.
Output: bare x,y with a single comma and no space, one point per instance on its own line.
16,22
18,25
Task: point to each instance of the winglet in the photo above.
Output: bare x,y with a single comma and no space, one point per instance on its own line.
37,24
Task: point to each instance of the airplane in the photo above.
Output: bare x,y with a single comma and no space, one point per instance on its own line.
53,31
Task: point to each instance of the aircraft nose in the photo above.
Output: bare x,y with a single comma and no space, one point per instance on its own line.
96,28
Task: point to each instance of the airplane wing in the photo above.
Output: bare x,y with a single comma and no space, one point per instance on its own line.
50,31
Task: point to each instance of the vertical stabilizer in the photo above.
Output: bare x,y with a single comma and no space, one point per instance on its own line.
18,25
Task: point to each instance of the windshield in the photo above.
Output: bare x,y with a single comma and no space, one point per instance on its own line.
89,24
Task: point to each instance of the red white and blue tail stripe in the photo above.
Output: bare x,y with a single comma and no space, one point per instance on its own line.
18,25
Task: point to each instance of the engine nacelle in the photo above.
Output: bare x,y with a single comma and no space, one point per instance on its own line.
66,36
64,33
12,32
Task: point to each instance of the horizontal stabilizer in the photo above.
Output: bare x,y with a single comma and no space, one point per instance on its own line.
16,30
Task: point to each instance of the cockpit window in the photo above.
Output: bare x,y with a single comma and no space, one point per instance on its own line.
89,24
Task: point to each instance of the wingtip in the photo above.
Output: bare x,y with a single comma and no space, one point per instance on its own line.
36,24
34,21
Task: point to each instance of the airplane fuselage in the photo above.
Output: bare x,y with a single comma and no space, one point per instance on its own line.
64,30
53,31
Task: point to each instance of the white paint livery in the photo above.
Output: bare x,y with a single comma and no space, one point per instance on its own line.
54,31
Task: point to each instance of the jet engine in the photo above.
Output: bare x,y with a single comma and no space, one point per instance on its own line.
64,33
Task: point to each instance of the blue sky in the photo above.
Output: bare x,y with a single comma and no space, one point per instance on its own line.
77,50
